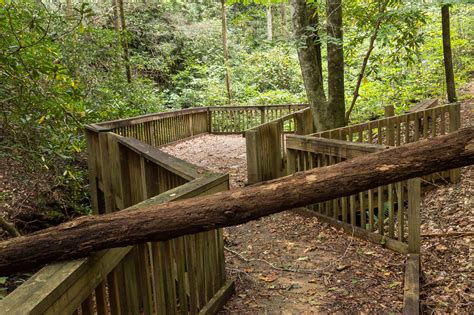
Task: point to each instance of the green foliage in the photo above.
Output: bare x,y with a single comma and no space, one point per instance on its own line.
59,73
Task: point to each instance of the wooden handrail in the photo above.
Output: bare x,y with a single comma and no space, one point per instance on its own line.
332,147
112,124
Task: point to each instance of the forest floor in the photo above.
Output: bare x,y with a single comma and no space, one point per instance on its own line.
332,271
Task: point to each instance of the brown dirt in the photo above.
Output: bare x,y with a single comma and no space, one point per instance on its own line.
287,263
294,264
448,262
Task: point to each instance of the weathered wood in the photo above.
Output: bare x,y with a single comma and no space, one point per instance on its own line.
339,148
253,170
425,104
411,295
84,235
414,216
219,299
62,287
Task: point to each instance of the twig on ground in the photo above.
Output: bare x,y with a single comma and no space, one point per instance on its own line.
273,266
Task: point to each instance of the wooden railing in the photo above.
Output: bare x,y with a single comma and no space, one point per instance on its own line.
183,275
387,215
266,154
237,119
402,129
164,128
265,144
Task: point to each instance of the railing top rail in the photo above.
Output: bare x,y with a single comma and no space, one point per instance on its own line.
179,167
340,148
145,118
392,118
244,107
112,124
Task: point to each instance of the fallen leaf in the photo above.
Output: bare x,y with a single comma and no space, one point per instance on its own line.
269,278
304,258
342,267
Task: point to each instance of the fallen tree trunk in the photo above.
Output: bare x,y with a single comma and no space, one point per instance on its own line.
84,235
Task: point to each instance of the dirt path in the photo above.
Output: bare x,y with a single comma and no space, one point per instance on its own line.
331,271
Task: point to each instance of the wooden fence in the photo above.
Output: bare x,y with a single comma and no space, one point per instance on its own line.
266,153
164,128
387,215
237,119
185,275
265,144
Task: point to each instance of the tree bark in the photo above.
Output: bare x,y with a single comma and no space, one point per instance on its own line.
366,60
269,23
116,16
228,84
336,96
284,27
84,235
68,8
310,63
126,53
448,57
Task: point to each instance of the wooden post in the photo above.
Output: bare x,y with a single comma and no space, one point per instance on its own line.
411,295
390,112
253,171
209,120
92,156
106,173
275,150
414,217
262,115
291,161
304,123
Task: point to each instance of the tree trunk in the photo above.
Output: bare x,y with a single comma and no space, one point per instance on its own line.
126,53
116,16
366,60
309,58
336,97
84,235
228,84
68,8
448,57
284,26
269,23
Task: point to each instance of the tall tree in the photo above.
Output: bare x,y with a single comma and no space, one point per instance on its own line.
335,57
448,57
228,85
326,114
284,27
118,5
68,8
383,6
269,23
